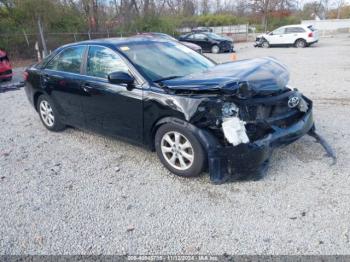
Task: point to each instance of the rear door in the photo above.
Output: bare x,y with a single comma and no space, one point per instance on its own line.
61,78
294,33
110,108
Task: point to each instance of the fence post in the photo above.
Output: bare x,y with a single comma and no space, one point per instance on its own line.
89,35
42,37
247,32
26,37
75,37
107,33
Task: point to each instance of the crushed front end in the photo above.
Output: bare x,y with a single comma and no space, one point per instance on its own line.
260,124
5,67
242,111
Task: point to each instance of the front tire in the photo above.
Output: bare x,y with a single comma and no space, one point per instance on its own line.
48,114
265,44
179,150
215,49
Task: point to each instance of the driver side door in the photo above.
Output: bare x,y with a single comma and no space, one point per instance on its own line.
109,108
277,37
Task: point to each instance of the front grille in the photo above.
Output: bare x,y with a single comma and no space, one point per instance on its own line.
262,115
8,72
226,45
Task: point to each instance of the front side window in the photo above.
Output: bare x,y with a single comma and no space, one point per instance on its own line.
69,60
103,61
279,31
200,36
191,36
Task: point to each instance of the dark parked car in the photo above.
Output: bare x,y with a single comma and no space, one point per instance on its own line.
194,47
5,67
209,42
193,112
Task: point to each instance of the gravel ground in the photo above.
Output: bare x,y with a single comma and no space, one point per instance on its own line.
80,193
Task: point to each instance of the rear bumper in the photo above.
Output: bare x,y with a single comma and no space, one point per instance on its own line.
249,161
312,42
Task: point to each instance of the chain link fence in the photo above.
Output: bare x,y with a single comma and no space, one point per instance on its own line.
26,46
23,46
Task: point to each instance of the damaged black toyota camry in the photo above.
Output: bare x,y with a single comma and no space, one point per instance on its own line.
196,114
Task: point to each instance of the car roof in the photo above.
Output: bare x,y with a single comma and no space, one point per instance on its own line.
299,25
116,42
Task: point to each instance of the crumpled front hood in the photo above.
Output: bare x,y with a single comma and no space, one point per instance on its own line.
262,75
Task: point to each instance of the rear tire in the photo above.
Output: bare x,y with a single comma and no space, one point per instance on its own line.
300,43
179,150
48,114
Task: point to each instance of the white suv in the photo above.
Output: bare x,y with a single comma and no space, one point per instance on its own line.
297,35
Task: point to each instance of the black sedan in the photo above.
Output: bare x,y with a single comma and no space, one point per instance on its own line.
209,42
162,95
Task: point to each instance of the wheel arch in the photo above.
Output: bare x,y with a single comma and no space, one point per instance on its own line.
35,99
300,38
206,138
158,124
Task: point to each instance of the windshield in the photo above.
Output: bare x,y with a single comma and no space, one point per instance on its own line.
215,36
164,60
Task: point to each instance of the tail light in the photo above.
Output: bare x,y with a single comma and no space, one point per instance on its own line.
25,76
310,34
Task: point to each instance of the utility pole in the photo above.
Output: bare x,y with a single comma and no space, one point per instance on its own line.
42,37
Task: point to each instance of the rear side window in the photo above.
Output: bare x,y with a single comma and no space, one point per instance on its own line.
291,30
103,61
69,60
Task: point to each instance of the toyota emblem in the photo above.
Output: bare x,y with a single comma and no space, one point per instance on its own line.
293,101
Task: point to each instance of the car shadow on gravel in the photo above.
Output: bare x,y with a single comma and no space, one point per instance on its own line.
10,86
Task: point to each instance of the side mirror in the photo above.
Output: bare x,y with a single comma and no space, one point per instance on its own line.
121,78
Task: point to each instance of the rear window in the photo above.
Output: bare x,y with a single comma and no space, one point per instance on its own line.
311,28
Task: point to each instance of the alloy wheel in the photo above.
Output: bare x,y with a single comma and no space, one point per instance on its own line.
177,150
215,49
46,113
300,44
265,44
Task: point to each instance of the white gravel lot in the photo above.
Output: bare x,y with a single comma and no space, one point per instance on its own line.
80,193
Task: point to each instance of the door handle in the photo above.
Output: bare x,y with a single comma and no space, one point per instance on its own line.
86,87
46,78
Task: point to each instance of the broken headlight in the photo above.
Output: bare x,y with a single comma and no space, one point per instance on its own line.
229,110
244,91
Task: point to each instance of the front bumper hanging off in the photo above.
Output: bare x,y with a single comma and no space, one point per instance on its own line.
250,161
